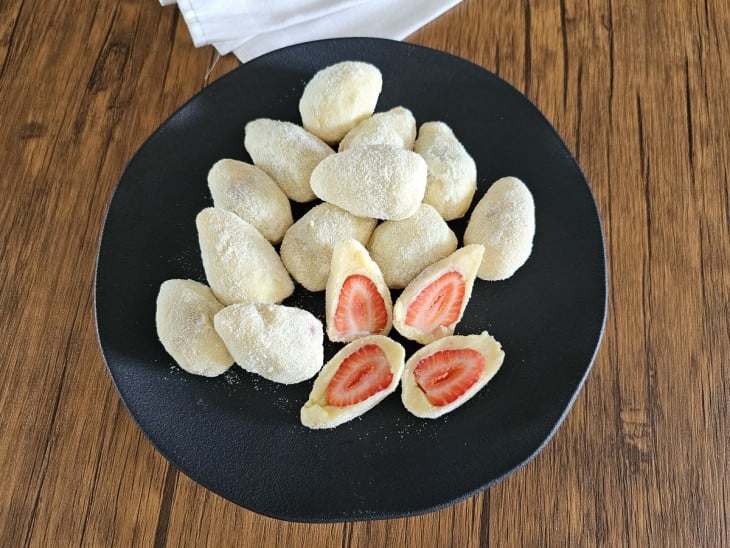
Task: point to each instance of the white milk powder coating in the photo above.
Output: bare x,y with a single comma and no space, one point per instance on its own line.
396,127
184,319
338,97
504,223
287,152
377,181
240,265
283,344
307,246
452,173
404,248
251,194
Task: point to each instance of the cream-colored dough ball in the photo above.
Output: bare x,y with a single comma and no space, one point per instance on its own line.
288,153
452,173
378,181
504,223
338,97
396,127
184,320
240,264
402,249
251,194
283,344
306,249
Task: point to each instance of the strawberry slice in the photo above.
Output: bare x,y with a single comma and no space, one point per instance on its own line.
438,304
446,375
360,375
360,308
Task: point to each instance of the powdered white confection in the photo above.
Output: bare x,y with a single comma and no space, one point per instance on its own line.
288,153
318,413
306,249
504,223
396,127
184,319
404,248
281,343
378,181
415,400
338,97
350,258
452,173
251,194
240,265
465,261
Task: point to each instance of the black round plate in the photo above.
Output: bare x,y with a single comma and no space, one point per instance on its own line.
240,435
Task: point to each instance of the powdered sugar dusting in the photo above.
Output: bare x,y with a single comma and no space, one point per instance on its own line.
383,182
288,153
338,97
396,127
240,264
184,320
452,173
404,248
251,194
280,343
231,377
504,222
306,250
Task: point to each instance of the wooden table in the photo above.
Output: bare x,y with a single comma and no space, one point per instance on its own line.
638,90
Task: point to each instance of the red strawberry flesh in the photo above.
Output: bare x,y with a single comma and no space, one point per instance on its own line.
360,375
360,308
438,304
446,375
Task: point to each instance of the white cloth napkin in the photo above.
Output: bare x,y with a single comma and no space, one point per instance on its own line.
250,28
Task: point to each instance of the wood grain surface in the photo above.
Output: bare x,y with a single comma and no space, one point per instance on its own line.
638,90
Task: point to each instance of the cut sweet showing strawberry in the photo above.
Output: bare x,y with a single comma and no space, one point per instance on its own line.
360,308
360,375
438,304
446,375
